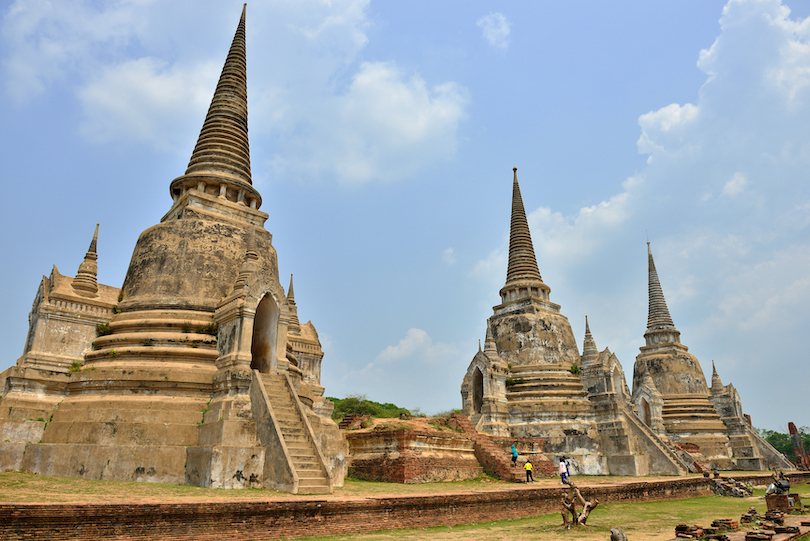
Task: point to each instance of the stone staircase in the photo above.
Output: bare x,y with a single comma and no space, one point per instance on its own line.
311,476
664,447
352,421
496,461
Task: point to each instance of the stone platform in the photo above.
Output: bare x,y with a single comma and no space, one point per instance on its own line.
319,515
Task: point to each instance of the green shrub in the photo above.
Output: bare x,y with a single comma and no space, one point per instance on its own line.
360,405
211,328
576,369
103,329
75,366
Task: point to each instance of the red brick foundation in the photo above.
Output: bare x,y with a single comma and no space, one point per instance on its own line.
290,518
412,467
412,456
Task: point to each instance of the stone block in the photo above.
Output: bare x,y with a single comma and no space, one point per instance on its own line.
629,465
11,455
225,467
150,463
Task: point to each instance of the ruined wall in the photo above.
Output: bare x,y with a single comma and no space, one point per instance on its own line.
410,456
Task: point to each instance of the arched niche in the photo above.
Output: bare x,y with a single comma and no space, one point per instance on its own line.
478,390
644,412
265,335
618,385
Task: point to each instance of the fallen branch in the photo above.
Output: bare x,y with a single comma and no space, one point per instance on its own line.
570,515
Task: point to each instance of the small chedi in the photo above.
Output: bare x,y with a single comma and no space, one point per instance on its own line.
529,381
197,370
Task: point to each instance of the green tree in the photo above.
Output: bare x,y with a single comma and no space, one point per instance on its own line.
782,442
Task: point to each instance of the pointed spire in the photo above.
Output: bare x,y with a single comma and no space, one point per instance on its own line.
522,261
659,322
658,315
589,350
294,325
220,162
223,142
523,278
86,281
489,342
290,294
717,383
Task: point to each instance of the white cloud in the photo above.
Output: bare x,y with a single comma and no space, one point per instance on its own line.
414,372
659,127
570,239
133,100
449,256
48,41
495,29
735,186
336,119
384,127
416,346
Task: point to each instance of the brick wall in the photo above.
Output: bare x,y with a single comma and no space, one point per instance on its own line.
412,456
290,518
412,467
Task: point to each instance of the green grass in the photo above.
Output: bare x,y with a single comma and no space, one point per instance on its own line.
651,521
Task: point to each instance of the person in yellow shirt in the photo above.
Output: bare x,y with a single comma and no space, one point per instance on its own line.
528,467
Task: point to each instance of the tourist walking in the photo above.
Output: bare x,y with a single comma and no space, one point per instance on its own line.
528,467
564,471
514,456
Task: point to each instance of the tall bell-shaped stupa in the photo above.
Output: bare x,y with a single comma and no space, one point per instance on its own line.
192,379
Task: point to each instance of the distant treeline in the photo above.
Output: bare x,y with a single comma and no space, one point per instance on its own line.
359,404
783,443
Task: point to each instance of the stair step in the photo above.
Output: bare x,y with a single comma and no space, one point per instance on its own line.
313,482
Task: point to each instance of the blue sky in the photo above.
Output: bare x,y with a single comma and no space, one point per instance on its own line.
383,136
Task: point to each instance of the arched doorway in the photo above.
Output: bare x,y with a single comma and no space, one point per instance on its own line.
265,333
644,411
478,390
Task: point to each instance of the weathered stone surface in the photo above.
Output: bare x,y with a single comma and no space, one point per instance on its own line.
410,456
153,382
530,381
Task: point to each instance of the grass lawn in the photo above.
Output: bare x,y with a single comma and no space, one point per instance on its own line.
653,521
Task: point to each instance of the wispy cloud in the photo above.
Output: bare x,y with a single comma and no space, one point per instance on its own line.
495,29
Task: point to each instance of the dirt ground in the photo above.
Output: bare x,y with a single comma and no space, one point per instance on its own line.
652,521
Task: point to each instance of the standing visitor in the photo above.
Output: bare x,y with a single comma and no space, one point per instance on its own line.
514,456
528,467
563,471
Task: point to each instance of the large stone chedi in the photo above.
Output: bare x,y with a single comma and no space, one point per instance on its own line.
195,378
527,381
671,396
530,381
